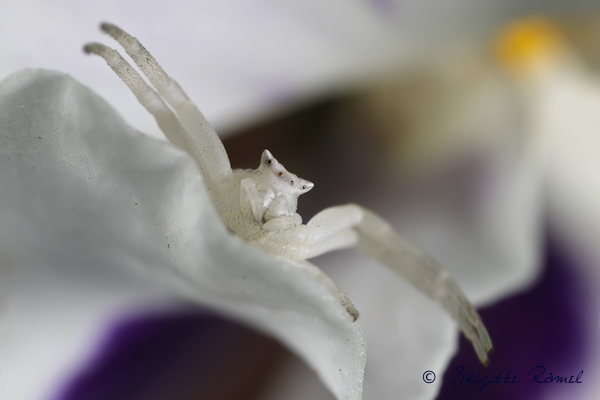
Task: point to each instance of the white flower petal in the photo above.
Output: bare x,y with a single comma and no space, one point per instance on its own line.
411,334
84,196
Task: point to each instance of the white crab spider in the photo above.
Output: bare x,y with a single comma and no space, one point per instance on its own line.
259,205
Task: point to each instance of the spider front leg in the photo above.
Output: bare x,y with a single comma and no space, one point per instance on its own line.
351,225
327,231
189,130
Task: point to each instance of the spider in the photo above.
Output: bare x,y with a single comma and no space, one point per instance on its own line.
259,205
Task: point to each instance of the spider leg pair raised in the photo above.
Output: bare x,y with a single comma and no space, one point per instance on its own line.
260,205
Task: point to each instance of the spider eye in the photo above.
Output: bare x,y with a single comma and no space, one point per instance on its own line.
303,186
291,182
269,161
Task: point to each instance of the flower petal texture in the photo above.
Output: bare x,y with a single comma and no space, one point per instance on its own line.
84,196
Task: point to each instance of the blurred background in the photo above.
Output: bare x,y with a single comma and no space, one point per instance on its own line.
472,126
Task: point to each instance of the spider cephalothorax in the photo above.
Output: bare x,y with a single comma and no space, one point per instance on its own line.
289,184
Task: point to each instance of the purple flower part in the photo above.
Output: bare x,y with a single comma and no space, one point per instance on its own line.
183,355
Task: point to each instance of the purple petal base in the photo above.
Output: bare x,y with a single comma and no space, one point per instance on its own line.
185,355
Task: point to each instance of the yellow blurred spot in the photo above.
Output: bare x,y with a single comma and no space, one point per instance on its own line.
529,46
